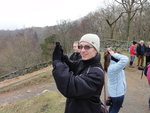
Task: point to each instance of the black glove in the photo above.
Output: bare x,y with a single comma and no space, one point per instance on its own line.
64,58
58,52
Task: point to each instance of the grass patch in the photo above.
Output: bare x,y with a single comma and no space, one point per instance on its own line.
49,102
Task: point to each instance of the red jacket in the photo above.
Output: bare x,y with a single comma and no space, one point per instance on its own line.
132,50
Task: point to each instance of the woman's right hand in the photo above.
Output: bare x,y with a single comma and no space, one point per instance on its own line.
110,51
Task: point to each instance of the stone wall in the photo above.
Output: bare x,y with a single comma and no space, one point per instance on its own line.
116,45
24,71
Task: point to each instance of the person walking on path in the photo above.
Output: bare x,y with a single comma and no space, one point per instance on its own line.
80,82
141,53
132,53
114,64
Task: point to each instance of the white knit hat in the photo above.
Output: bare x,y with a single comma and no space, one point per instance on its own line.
141,41
92,39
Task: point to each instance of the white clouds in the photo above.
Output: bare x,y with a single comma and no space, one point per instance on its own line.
16,14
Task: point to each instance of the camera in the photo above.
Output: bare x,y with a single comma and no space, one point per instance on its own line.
108,102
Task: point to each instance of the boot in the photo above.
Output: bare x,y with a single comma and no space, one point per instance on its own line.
131,64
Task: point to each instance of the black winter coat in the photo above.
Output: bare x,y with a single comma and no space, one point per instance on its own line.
81,83
139,49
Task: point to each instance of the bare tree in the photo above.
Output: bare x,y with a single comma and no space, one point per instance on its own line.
142,23
18,54
64,34
112,15
131,7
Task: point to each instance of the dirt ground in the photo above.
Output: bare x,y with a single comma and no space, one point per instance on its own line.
136,97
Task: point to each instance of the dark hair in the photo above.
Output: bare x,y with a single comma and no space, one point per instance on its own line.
134,42
106,60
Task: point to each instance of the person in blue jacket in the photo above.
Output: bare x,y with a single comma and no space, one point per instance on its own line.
114,64
81,82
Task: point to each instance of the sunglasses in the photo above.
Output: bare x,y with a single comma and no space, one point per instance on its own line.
86,47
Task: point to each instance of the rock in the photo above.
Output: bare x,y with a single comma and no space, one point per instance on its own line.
28,91
45,91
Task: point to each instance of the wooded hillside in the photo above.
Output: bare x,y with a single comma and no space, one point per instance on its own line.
122,20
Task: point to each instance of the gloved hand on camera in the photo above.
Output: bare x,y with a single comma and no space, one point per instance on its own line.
58,52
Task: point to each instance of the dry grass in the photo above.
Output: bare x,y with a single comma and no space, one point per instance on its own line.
49,102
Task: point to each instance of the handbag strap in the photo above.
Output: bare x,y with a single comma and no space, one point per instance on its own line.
104,90
105,94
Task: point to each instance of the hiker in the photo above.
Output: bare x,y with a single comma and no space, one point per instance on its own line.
80,82
147,53
76,52
114,64
132,52
140,53
147,72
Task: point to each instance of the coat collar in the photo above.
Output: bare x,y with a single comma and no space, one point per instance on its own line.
92,61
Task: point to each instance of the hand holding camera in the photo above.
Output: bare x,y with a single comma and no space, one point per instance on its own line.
58,52
108,102
109,50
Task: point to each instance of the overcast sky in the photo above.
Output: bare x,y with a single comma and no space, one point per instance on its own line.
16,14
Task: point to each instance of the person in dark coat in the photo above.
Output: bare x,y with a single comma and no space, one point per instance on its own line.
141,53
80,82
76,52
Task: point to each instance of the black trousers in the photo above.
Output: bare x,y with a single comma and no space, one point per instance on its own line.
147,59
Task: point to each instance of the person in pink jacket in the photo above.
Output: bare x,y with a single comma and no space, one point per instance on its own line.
148,78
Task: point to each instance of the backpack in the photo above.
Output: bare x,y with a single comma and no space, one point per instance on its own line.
141,68
146,72
146,68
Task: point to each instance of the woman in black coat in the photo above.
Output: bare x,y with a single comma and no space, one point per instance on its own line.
80,82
